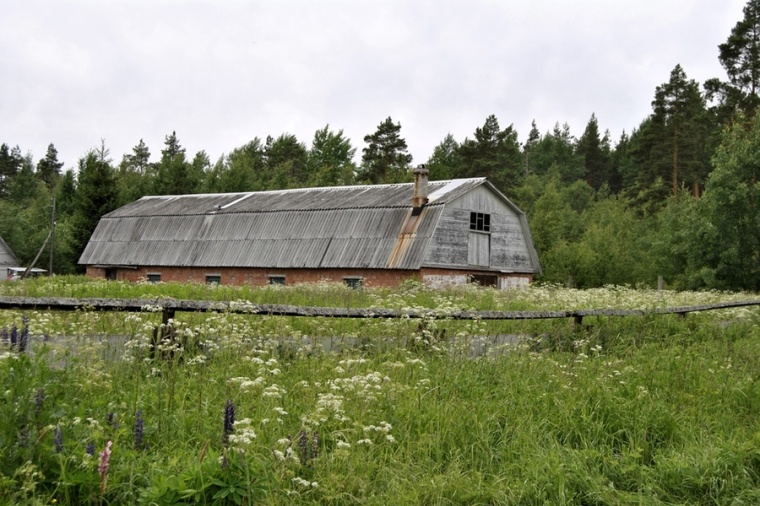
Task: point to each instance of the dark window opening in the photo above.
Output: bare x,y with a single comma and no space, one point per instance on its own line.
154,278
354,282
484,279
214,279
480,222
111,274
276,280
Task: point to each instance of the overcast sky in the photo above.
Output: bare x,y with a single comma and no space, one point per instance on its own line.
220,73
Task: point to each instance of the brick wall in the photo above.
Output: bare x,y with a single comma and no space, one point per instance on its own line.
436,278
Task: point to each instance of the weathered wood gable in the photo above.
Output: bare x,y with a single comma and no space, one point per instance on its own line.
506,247
7,258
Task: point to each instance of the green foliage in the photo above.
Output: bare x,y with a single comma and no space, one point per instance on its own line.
493,153
445,161
285,159
624,410
726,230
238,171
330,159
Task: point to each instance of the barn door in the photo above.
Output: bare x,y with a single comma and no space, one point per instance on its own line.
479,249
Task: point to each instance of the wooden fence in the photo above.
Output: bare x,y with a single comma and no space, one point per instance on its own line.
169,307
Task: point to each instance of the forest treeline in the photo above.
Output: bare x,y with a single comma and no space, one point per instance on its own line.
677,197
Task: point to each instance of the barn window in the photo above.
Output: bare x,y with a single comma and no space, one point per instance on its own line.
153,277
214,279
353,282
480,222
276,279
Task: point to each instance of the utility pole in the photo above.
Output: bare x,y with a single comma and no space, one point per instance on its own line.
52,239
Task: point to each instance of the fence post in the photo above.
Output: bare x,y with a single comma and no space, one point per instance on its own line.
660,283
570,283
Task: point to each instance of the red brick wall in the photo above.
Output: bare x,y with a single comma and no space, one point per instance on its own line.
246,276
241,276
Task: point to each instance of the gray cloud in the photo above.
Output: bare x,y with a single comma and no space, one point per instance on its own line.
222,73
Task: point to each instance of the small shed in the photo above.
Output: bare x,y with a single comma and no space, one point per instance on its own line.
438,232
7,259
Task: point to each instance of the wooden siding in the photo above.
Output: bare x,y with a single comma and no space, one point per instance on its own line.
507,248
7,258
479,249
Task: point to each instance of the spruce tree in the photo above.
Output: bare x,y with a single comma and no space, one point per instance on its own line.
96,195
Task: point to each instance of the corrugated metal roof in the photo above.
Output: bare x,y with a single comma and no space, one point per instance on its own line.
340,227
304,199
347,238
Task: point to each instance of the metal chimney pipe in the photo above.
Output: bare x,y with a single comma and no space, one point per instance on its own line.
420,197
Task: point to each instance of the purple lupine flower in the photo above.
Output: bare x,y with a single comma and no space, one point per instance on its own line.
104,460
24,337
139,430
58,439
23,437
4,336
90,449
14,335
39,400
303,445
229,421
314,446
109,419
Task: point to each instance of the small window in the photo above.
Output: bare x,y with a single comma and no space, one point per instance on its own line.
353,282
214,279
111,274
480,222
276,279
154,277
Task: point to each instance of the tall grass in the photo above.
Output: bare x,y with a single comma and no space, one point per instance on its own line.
634,410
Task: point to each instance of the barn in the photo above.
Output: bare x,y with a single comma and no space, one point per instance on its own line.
438,232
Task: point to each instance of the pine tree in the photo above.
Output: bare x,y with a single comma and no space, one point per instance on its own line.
740,56
493,154
681,117
49,168
385,159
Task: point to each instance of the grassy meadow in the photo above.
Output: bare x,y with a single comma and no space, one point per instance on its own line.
256,409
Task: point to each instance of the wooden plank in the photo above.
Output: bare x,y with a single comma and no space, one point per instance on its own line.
202,306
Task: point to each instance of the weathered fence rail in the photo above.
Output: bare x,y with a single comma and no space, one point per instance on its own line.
168,307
